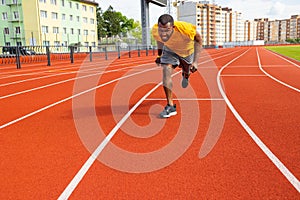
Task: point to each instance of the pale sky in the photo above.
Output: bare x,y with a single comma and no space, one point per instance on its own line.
250,9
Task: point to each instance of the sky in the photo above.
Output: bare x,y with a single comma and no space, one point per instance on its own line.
250,9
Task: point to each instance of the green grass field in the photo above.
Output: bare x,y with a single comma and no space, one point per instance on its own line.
290,51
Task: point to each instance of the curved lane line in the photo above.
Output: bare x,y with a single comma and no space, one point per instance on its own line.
86,166
272,77
283,169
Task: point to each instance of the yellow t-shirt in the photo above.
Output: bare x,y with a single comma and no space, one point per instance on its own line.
182,39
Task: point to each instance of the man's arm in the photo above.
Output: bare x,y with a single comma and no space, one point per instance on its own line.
160,46
197,50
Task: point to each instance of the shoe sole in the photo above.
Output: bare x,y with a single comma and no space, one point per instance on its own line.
169,115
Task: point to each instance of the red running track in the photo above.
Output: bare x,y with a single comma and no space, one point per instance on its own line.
91,130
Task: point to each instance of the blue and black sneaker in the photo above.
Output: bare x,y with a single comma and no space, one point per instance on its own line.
168,111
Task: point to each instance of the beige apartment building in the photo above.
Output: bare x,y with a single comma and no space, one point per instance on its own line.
216,24
219,25
278,30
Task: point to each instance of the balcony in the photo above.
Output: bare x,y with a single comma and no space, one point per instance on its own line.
13,3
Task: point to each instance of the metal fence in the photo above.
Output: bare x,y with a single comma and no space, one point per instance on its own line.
27,54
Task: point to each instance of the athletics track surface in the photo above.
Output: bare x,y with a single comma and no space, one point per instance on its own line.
90,130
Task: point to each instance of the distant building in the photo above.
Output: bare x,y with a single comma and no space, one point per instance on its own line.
278,30
216,24
48,22
219,25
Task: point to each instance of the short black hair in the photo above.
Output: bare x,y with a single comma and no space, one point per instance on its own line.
166,18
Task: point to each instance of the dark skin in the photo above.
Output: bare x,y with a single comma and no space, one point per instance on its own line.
165,32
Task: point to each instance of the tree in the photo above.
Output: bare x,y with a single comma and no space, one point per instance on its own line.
112,23
136,32
100,23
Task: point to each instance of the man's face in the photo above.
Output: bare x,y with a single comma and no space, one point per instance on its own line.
165,31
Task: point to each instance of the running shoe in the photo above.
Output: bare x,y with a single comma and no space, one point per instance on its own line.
168,111
185,80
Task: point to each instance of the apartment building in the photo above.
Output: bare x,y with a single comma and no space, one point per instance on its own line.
48,22
216,24
278,30
219,25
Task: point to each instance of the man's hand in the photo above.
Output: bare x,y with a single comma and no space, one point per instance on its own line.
194,67
157,60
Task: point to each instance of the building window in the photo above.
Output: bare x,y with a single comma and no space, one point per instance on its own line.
77,6
79,32
18,30
44,29
4,16
72,31
91,9
65,30
43,14
55,30
42,1
57,43
63,16
71,17
78,19
84,7
53,2
16,15
6,30
46,43
92,21
54,15
85,32
85,20
3,2
63,3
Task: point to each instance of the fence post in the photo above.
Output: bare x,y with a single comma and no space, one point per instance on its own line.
129,53
146,51
139,51
48,56
18,57
105,51
119,53
91,54
72,54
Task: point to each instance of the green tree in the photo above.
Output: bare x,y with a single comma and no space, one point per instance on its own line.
113,23
136,32
100,24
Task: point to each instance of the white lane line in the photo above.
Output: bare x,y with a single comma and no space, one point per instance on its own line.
186,99
88,67
280,56
283,169
83,170
70,97
272,77
64,81
243,75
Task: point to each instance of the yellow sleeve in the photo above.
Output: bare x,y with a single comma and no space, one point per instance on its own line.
155,32
186,28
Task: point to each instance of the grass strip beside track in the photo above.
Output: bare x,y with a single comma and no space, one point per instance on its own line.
290,51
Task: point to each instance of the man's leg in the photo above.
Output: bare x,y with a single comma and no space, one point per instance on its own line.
167,82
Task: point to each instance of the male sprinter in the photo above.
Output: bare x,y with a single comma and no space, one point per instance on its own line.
178,44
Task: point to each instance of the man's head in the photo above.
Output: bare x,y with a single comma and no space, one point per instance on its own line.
165,27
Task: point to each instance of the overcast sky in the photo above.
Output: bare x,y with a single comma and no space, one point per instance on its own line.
250,9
